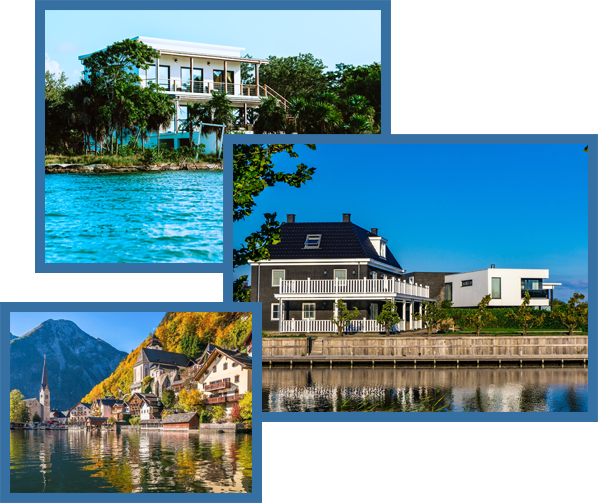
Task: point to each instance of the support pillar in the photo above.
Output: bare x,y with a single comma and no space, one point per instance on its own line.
245,115
257,79
225,78
403,315
280,315
411,315
190,74
157,71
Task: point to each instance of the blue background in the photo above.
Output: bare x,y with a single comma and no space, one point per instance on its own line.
454,72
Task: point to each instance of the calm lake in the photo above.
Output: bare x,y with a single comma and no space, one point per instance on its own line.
159,217
451,390
129,462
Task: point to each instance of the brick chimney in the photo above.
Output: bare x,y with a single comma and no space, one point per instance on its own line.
346,217
290,218
374,231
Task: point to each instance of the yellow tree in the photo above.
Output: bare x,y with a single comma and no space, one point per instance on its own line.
525,315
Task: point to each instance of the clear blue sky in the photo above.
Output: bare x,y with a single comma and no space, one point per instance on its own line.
351,37
449,208
124,331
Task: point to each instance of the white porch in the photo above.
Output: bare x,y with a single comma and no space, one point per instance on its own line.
326,326
355,286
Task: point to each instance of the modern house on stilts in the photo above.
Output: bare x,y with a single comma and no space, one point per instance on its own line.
315,264
190,71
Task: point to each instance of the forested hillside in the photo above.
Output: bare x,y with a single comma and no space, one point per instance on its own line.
187,333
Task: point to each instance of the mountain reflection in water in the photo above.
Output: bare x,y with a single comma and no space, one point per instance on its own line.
129,462
454,390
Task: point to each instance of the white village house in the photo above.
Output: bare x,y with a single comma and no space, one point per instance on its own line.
215,68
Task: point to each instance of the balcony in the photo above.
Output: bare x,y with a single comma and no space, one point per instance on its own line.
353,288
536,294
216,399
217,386
356,326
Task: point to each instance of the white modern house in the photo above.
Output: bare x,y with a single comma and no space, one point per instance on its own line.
506,287
190,71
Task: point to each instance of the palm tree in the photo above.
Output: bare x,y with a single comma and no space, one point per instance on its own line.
271,118
197,114
221,113
296,108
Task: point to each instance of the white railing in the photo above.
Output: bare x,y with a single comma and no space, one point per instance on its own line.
207,86
326,326
345,286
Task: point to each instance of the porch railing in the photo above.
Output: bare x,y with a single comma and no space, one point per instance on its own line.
344,286
218,385
207,86
326,326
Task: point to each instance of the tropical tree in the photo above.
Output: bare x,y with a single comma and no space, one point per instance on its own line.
222,113
294,76
253,171
389,316
482,317
431,314
342,316
525,316
271,117
19,412
296,107
573,314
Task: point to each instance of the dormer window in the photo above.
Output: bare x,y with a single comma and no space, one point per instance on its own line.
313,241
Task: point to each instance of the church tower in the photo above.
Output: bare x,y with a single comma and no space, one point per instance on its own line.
44,395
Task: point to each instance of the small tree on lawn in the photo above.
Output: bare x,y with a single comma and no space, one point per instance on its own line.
431,315
343,316
525,315
482,317
389,316
168,398
218,413
572,314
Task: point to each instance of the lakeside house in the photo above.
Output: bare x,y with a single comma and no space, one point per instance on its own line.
214,68
79,413
224,378
317,263
185,421
103,407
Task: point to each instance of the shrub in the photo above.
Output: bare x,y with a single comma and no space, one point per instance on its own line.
235,415
218,414
205,417
135,421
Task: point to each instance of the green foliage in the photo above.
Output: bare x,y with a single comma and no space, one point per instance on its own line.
343,316
446,304
253,171
135,421
191,346
482,317
271,117
294,76
431,315
19,412
246,409
147,384
525,315
36,418
240,292
111,420
205,417
574,314
55,86
389,316
218,413
168,398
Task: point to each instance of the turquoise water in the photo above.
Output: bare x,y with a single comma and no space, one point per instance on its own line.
161,217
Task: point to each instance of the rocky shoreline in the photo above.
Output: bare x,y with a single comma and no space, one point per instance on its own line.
104,168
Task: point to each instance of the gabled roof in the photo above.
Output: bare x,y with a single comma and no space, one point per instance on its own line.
241,358
110,402
179,418
87,405
340,240
162,357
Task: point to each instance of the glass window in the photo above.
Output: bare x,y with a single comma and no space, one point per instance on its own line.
467,282
275,311
224,367
340,274
309,311
313,241
374,275
186,80
163,77
383,250
373,311
496,288
448,290
237,378
277,275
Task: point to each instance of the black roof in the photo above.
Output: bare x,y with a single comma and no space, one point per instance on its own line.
242,358
339,240
163,357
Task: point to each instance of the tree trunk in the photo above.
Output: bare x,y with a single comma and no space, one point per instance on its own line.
477,331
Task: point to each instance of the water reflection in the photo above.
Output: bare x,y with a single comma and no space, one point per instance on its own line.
456,390
131,461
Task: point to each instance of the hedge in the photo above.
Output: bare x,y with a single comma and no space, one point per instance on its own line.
503,322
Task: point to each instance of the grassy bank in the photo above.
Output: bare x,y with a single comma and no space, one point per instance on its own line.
116,160
490,332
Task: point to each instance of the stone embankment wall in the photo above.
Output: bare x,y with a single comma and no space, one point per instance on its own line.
413,347
104,168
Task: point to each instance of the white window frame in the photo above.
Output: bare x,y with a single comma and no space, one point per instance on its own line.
383,250
283,276
303,310
272,306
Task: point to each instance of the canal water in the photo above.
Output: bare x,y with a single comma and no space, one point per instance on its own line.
426,390
158,217
77,461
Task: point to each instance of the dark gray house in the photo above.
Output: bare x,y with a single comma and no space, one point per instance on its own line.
317,263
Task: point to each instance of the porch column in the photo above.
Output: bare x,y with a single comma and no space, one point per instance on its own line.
419,310
280,315
411,315
245,115
176,117
190,74
403,315
157,71
257,79
225,78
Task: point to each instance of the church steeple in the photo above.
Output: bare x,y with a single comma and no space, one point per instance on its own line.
44,376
